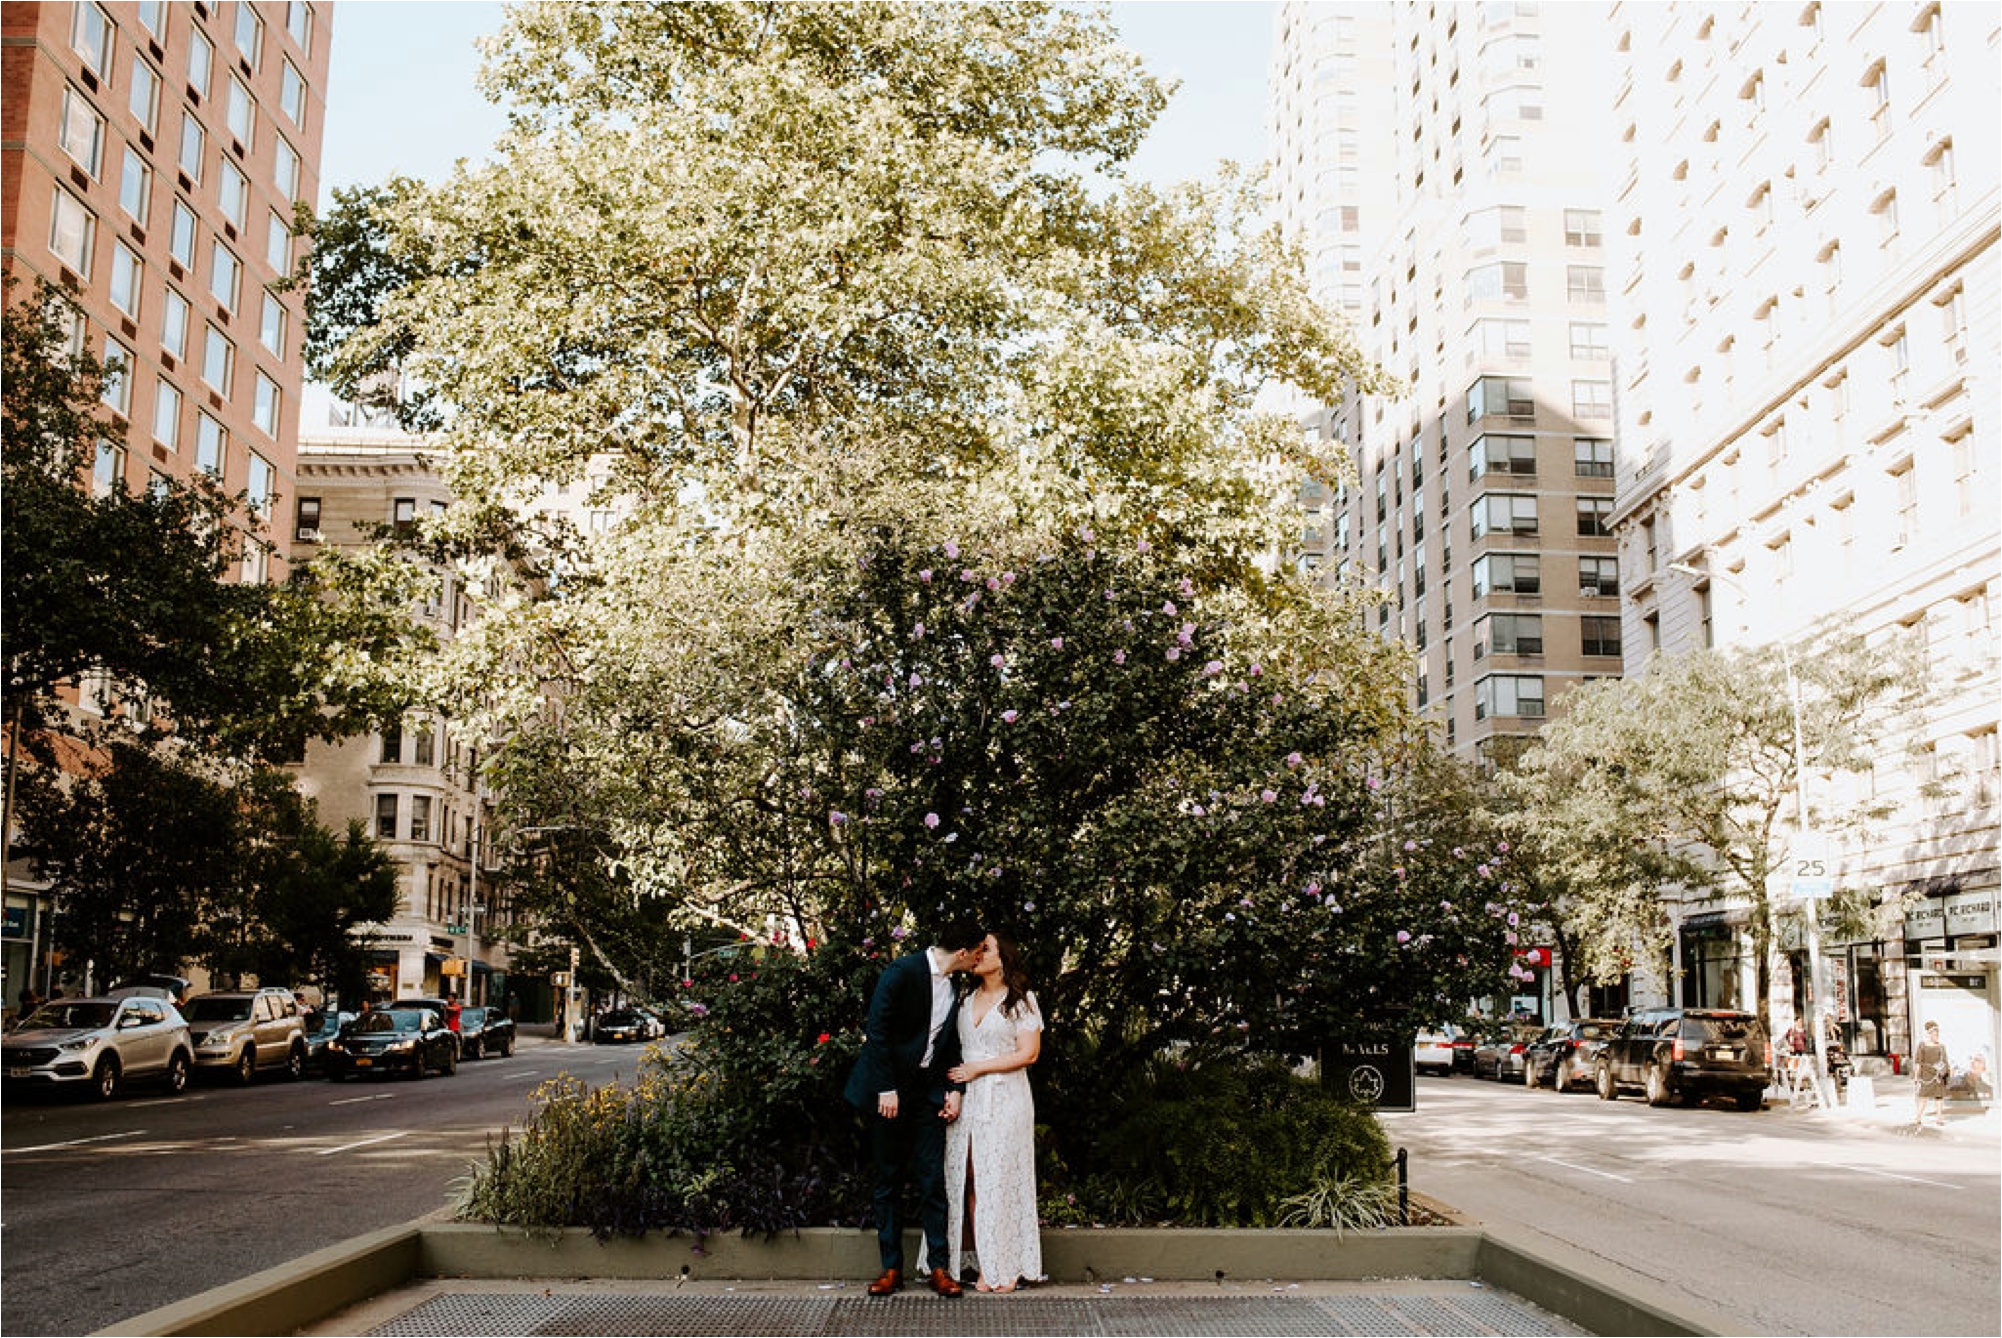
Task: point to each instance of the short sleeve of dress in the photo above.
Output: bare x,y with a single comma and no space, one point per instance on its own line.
1030,1016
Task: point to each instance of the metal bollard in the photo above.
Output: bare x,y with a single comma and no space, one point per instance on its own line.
1403,1187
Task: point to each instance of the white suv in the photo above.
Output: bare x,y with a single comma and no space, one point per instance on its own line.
238,1032
98,1044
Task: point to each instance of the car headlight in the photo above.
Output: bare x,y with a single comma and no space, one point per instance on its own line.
336,1045
70,1047
398,1046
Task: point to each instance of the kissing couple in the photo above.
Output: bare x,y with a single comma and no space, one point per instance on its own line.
943,1086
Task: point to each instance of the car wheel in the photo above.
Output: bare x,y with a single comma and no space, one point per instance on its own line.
451,1063
177,1072
105,1078
245,1068
475,1051
507,1047
295,1064
1658,1093
1603,1080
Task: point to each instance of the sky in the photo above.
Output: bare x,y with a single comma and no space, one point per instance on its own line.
400,95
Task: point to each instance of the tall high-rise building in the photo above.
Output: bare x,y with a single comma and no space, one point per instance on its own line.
1807,248
152,155
1443,166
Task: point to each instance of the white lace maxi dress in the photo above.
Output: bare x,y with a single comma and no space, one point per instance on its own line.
997,1125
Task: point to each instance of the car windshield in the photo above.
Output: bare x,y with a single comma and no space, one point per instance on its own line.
397,1019
330,1025
472,1017
218,1010
620,1019
1705,1029
67,1015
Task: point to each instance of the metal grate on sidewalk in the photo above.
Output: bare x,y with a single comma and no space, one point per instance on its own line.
478,1315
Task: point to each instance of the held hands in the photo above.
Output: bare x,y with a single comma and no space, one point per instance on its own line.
951,1110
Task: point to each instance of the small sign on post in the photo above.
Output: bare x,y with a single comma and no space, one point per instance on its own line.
1811,868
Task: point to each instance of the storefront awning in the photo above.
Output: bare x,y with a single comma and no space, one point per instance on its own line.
1704,920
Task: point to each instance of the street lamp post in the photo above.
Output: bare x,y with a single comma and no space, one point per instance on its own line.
1812,911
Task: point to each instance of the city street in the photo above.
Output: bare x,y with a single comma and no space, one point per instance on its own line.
1793,1223
111,1210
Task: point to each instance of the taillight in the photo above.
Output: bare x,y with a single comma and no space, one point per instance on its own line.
1515,1049
1677,1053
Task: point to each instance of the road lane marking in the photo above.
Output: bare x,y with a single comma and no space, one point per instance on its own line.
1914,1179
1587,1169
75,1142
366,1142
351,1100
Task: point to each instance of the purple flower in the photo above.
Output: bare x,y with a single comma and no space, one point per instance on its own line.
1198,811
993,583
1313,889
1187,635
1269,796
1502,846
1084,533
1257,669
1119,656
931,821
1213,668
1188,588
1293,760
699,1010
951,549
968,574
917,680
1513,919
918,631
1482,870
997,659
1374,783
900,933
835,817
1169,608
1230,917
1404,936
925,576
1174,652
1056,643
1008,717
1007,578
1143,547
1029,906
1411,845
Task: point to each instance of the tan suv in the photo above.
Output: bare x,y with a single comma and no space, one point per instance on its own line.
238,1032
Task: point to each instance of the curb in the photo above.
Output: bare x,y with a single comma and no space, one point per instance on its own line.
1592,1293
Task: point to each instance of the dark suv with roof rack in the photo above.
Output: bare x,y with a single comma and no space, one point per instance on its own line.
1674,1053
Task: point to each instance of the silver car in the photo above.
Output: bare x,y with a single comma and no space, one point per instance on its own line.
99,1045
237,1032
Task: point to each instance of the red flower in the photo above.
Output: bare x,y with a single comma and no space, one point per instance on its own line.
824,1038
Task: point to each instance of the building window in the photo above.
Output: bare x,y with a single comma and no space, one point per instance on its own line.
261,484
1508,634
1504,513
1501,453
403,512
1598,576
1878,82
174,324
1593,457
299,23
201,60
1503,281
1508,695
194,146
127,278
211,446
181,238
292,94
271,327
1595,516
90,37
385,817
420,817
218,361
167,415
1511,395
143,98
1581,227
1966,471
108,470
1585,283
117,390
285,170
306,525
249,33
225,275
80,132
265,409
1945,189
71,232
233,193
135,186
427,745
241,112
1589,341
1493,337
1592,398
1507,573
1599,635
278,244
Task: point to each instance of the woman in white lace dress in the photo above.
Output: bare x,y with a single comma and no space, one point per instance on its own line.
990,1151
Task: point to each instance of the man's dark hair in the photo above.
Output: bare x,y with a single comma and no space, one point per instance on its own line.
959,935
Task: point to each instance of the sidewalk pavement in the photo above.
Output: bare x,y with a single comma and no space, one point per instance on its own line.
1889,1103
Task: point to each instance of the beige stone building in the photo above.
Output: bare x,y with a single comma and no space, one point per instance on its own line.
1805,264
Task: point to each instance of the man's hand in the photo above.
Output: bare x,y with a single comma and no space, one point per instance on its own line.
951,1111
886,1105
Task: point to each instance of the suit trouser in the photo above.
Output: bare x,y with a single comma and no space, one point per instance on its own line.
909,1148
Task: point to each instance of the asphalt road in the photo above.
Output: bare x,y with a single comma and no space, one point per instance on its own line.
1793,1223
109,1210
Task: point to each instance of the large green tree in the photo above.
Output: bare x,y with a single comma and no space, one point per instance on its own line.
1682,781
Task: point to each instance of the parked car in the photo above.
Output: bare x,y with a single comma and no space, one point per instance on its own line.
172,988
393,1040
439,1008
485,1031
1672,1053
238,1032
624,1025
1500,1056
1433,1050
1464,1042
316,1041
1564,1055
99,1045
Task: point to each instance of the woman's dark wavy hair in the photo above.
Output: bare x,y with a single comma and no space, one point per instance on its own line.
1014,973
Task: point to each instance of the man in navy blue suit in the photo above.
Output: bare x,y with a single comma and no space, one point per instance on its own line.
899,1085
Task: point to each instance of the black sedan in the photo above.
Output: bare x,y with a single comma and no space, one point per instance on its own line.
1564,1054
624,1025
329,1029
392,1040
484,1032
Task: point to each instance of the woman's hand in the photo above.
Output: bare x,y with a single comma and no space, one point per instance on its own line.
964,1072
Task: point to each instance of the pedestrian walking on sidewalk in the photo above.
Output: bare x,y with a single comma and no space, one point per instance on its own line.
1931,1068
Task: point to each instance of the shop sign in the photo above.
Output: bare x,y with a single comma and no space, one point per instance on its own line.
1943,981
1962,913
16,923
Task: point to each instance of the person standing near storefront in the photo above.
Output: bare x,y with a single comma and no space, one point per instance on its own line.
1930,1068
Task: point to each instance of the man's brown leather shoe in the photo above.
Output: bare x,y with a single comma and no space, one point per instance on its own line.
889,1284
943,1283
